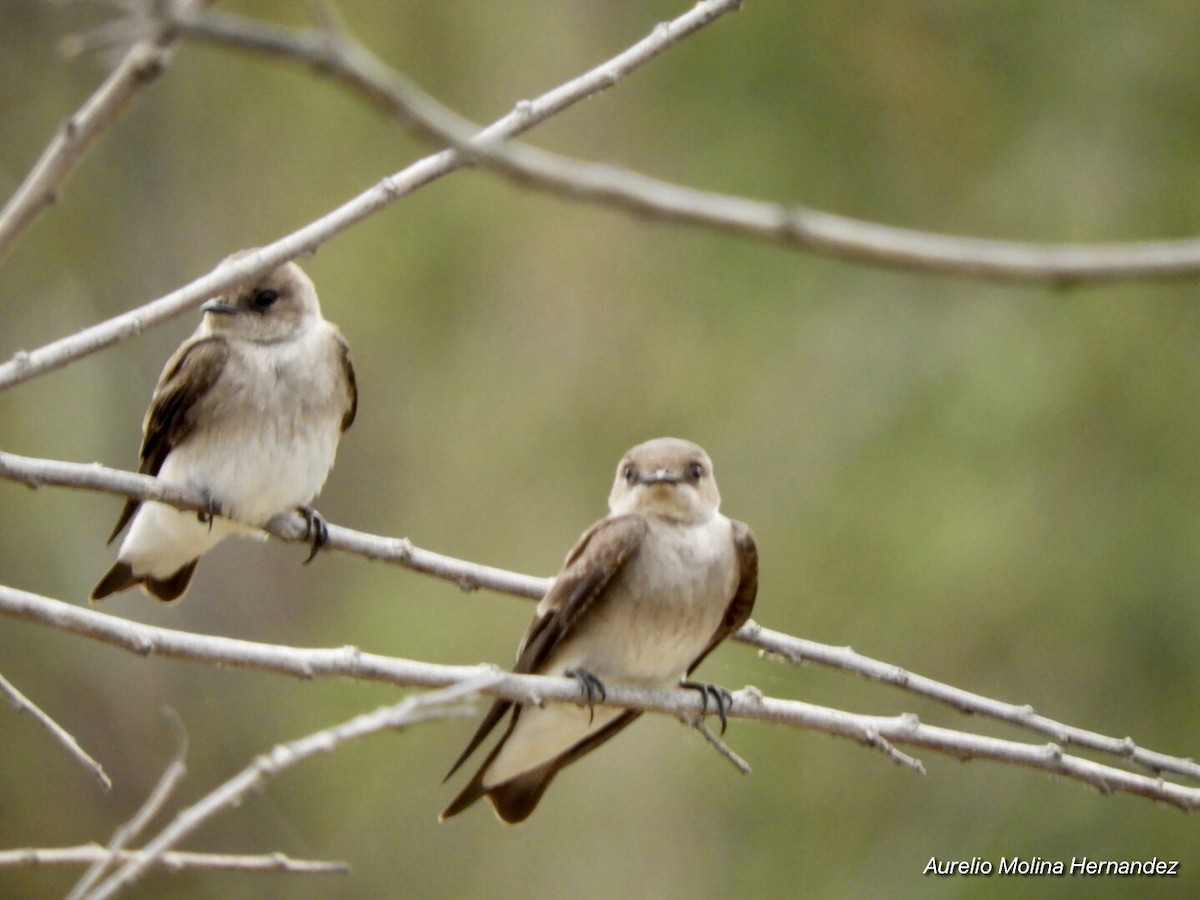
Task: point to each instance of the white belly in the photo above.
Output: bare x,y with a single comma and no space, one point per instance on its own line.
263,450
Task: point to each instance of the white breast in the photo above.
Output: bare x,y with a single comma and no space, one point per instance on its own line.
266,440
662,609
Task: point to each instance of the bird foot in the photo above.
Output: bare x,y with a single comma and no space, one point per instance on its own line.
315,530
592,689
211,510
721,698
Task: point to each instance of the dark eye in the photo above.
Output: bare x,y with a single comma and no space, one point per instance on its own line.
695,471
264,298
629,472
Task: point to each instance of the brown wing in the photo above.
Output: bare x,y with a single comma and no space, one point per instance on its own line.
742,602
599,555
516,799
189,374
351,382
590,566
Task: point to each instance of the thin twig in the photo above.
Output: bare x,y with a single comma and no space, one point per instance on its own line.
174,860
128,833
471,576
410,711
798,227
144,62
722,748
62,737
27,364
748,703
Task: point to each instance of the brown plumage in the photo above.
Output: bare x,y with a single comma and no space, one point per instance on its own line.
645,595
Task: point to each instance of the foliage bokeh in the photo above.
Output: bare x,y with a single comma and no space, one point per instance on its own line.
991,485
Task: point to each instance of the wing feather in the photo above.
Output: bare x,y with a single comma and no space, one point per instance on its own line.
187,377
595,560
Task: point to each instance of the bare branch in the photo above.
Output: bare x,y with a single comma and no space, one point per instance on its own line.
21,703
794,226
527,114
908,730
879,732
77,135
288,527
410,711
127,833
471,576
174,860
721,747
28,364
798,650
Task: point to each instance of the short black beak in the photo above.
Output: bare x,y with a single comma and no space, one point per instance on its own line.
219,308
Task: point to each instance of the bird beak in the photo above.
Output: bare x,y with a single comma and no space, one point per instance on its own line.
218,307
661,476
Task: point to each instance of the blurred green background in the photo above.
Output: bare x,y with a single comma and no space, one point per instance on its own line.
994,486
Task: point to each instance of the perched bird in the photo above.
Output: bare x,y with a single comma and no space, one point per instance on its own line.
249,411
644,596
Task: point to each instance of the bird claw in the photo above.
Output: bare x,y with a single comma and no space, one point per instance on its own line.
721,697
315,530
592,689
211,510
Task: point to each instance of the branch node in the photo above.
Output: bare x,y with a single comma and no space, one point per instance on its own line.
523,112
796,659
751,696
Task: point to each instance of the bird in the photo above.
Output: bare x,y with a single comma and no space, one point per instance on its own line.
643,597
248,411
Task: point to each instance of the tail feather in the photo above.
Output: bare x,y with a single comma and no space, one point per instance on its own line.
121,577
516,799
173,586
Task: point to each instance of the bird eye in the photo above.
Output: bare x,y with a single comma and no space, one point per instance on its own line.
264,298
629,472
695,471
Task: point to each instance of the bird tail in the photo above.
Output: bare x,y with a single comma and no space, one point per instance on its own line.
121,577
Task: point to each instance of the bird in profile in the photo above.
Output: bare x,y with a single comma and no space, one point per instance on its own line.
642,599
248,411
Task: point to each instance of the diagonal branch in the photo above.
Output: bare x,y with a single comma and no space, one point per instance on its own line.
798,650
473,576
409,711
528,113
21,703
802,228
879,732
140,67
129,832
